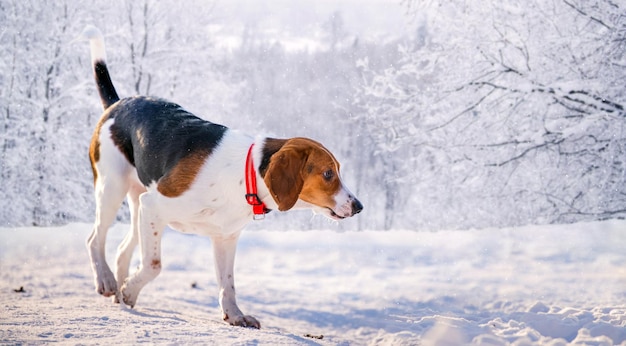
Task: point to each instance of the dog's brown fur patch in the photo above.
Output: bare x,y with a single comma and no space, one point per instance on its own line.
94,146
179,179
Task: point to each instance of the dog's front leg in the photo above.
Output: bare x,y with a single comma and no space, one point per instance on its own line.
224,251
151,228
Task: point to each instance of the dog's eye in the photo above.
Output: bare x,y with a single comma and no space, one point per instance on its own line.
328,175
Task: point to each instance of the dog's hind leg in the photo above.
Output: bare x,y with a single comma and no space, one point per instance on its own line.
109,192
126,248
150,227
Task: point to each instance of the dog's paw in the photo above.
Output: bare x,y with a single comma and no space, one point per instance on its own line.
106,284
243,321
117,298
129,294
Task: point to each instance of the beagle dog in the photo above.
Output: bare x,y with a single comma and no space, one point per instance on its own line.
194,176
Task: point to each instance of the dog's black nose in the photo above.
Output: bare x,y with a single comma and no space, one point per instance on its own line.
356,206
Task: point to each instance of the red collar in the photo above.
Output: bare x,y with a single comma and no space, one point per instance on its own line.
258,207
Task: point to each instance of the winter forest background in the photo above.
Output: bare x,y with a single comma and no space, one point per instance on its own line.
444,114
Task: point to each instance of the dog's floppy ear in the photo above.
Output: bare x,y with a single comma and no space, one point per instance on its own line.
284,176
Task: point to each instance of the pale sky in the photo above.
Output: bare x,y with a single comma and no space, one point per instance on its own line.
298,23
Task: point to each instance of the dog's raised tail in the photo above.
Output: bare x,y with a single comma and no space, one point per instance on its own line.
107,92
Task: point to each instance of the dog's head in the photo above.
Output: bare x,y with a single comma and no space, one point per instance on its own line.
302,173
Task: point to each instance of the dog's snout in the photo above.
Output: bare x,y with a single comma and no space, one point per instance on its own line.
356,206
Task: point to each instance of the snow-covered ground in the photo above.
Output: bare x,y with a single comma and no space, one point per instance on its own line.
551,285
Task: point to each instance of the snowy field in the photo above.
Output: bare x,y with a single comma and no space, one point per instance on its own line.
548,285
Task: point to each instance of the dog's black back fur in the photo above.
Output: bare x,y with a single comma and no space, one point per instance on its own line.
162,127
151,125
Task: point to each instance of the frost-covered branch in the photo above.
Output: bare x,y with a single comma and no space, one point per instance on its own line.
526,151
592,18
580,98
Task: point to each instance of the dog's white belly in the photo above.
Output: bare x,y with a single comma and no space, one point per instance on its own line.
199,225
212,222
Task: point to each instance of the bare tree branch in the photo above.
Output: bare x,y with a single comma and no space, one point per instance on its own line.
587,15
526,151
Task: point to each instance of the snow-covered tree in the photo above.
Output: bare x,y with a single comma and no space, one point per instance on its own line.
48,101
41,114
506,112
